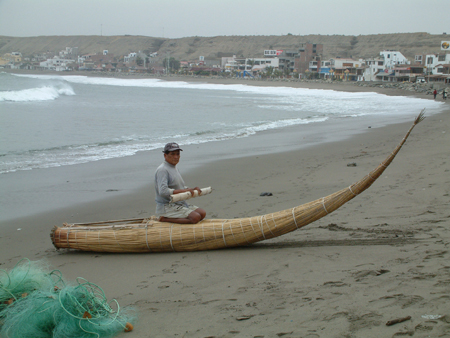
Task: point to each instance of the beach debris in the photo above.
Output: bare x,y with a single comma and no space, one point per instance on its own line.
352,164
245,317
432,316
266,194
398,320
36,302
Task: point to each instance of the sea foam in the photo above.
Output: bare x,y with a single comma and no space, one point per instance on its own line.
328,100
209,113
44,93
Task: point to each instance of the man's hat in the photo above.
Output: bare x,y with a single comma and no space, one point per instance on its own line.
171,147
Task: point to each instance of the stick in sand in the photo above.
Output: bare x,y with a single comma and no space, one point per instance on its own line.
398,320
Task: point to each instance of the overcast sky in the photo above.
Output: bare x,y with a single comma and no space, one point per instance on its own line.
182,18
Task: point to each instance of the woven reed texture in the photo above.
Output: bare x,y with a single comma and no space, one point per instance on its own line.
149,235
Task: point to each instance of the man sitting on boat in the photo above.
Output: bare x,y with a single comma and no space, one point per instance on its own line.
168,181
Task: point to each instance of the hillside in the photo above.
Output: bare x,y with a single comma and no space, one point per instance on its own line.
190,48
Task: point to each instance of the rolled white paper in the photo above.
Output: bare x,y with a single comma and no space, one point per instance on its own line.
187,195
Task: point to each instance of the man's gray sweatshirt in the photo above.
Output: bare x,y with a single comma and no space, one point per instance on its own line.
167,179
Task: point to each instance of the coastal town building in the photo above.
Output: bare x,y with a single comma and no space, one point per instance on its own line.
14,57
207,62
426,68
260,64
229,63
372,67
287,61
3,61
323,68
346,69
436,66
393,58
308,52
296,60
305,61
401,73
69,53
56,64
251,65
129,58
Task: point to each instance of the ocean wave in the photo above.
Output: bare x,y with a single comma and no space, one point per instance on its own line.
246,130
130,145
243,111
44,93
292,94
285,123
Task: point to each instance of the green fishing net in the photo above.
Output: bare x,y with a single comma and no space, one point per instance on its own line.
40,304
26,277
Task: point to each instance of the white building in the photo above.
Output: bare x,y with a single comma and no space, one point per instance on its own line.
389,59
56,64
314,65
129,58
249,64
434,62
259,64
69,53
340,63
393,58
229,63
372,67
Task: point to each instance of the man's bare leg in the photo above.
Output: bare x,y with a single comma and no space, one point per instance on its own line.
201,212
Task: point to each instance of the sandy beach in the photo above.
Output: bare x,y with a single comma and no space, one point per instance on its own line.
382,256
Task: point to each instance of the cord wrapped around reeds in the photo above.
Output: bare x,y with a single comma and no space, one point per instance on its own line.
149,235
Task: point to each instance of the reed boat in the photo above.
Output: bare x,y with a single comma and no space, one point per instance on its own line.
150,235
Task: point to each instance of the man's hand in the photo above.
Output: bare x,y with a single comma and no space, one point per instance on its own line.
192,191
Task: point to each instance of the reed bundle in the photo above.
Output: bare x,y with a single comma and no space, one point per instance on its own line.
149,235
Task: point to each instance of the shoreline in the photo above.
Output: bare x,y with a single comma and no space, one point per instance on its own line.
73,186
382,256
347,86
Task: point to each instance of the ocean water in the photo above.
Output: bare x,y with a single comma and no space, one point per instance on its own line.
55,120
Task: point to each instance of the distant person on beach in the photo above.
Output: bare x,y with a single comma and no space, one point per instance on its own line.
168,181
435,93
444,93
